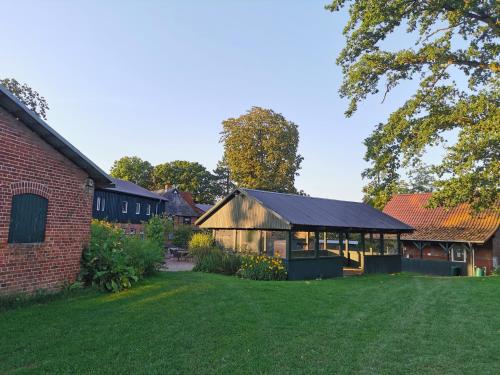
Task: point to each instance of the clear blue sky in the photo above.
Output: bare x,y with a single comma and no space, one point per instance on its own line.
156,78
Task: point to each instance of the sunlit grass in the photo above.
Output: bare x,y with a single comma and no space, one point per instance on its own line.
200,323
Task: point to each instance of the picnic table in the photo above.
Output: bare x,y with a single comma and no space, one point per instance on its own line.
179,253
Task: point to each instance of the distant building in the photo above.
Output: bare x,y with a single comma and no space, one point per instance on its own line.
454,236
127,204
179,206
203,207
46,192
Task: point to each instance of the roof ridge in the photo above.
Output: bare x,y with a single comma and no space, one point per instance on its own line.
300,196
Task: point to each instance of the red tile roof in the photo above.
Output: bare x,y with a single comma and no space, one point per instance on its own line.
457,224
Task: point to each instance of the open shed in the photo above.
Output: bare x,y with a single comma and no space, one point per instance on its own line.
317,237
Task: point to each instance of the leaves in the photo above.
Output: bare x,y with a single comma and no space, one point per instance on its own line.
134,169
31,98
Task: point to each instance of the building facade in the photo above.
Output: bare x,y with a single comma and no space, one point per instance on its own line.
46,194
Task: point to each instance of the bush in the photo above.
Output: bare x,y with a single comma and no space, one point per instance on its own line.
201,240
262,267
113,261
496,271
182,235
216,260
156,229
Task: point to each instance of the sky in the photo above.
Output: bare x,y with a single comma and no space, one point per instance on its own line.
155,79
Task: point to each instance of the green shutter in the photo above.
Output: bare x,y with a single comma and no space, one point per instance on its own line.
28,218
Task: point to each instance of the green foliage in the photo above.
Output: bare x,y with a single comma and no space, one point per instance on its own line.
187,176
113,261
182,235
216,260
134,169
157,228
222,179
31,98
260,148
496,271
201,240
455,39
262,267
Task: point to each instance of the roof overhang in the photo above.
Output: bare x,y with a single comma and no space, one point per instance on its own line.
17,109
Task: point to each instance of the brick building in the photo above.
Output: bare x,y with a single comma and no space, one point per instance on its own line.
46,193
455,236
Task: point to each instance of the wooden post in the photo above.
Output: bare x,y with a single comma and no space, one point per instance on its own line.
421,248
316,244
347,248
325,240
341,249
381,243
398,236
363,249
289,245
371,243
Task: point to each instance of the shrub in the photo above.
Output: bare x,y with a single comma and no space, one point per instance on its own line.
113,261
216,260
201,240
182,235
262,267
496,271
156,229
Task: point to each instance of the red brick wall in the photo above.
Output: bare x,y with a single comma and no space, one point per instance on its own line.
29,165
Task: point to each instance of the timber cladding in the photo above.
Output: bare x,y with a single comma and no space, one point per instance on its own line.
244,212
28,165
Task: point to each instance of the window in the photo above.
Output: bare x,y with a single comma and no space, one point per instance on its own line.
98,204
303,245
458,253
137,208
148,210
28,218
124,207
103,204
186,220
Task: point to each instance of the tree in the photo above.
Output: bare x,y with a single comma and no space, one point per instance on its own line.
260,148
187,176
134,169
222,179
31,98
421,179
456,38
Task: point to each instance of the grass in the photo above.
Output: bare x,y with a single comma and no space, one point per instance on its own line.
189,322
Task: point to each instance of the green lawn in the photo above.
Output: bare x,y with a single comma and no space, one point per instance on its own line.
201,323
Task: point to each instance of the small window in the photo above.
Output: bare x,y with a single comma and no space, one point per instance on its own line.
28,218
148,210
458,254
124,207
98,204
186,220
137,208
103,204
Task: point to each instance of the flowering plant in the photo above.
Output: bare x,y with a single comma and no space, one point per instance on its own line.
262,267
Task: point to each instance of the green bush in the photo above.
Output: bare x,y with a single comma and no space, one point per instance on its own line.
156,229
182,235
216,260
262,267
113,261
201,240
496,271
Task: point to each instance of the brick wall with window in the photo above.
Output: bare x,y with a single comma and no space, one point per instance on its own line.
45,211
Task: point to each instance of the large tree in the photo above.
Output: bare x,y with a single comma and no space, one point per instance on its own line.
134,169
187,176
454,39
31,98
260,148
222,178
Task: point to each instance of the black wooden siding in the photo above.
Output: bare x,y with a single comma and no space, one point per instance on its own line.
113,207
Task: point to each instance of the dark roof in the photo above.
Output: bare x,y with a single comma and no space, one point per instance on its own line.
300,210
457,224
16,108
204,207
128,187
176,204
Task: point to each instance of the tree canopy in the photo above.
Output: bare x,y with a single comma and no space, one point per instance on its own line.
134,169
456,38
261,150
31,98
187,176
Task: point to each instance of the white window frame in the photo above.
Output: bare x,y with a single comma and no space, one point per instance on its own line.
124,208
103,204
137,208
98,204
453,255
148,210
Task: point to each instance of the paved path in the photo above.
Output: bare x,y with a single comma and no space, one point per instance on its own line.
173,265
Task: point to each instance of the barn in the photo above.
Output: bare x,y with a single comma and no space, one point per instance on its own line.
46,193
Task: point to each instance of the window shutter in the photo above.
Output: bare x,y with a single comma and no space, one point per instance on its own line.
28,218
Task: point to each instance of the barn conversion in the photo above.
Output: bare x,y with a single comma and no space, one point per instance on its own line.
46,189
316,236
446,241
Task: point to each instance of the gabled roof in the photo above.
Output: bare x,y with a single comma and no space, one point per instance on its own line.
298,210
204,207
176,204
16,108
127,187
457,224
